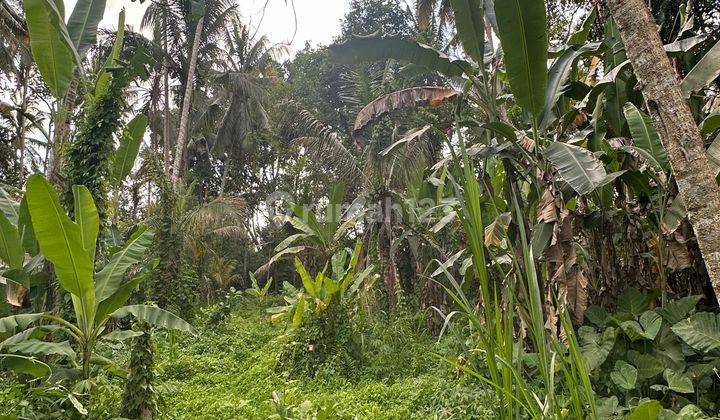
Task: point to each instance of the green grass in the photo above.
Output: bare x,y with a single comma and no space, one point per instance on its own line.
228,372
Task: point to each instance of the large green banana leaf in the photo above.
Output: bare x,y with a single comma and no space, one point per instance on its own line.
523,35
577,166
61,242
645,135
373,48
470,25
11,250
109,278
50,44
83,23
125,155
704,72
86,218
155,316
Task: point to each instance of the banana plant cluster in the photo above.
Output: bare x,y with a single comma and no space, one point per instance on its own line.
324,291
98,293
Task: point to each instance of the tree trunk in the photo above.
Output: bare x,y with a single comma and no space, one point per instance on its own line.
674,121
187,100
166,110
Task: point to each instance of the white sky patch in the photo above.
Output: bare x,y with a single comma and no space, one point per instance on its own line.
318,21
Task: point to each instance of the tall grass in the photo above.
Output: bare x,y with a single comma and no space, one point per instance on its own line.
509,309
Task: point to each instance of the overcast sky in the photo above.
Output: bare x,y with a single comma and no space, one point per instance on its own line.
318,20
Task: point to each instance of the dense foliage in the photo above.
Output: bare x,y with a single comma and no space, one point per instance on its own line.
459,209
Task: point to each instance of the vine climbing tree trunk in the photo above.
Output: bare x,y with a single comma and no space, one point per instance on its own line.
187,100
674,121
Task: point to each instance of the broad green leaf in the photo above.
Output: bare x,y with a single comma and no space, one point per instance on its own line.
581,36
646,365
11,250
61,241
83,23
122,335
104,79
25,365
624,375
333,212
108,279
633,302
701,331
155,316
299,311
676,310
710,123
12,323
645,135
678,382
647,328
25,229
647,410
289,241
373,48
86,218
304,276
523,34
9,207
577,166
51,46
674,214
684,45
704,72
470,25
125,155
596,347
118,299
34,347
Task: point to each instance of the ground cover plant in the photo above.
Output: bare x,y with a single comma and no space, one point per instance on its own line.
459,209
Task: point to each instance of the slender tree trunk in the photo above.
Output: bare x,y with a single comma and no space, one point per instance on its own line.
674,121
166,111
187,100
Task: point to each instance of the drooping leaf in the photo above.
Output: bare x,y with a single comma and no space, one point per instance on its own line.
82,26
155,316
710,123
645,135
704,72
12,323
470,25
523,34
406,98
290,240
411,136
581,36
701,331
108,279
25,365
35,347
122,335
373,48
104,79
684,45
674,214
577,166
8,206
51,46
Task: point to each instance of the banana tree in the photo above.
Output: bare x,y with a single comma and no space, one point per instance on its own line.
318,294
98,293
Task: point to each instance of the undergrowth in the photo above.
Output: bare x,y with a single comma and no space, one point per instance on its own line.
231,371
